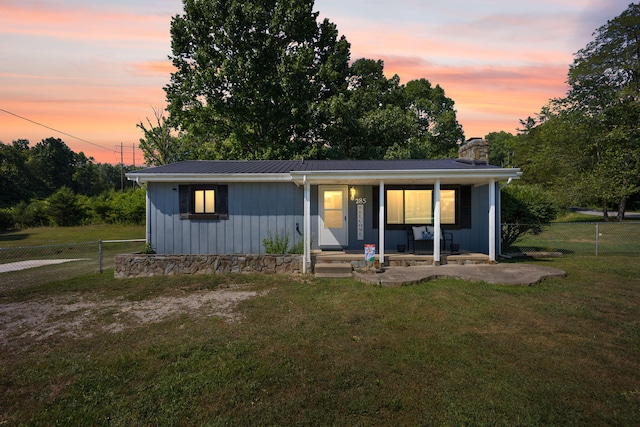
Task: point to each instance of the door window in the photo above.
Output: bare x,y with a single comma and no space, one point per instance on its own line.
333,215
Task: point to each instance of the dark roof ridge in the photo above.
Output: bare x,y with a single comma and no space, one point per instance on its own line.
254,166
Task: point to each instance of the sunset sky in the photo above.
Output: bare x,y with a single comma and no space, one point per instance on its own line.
91,70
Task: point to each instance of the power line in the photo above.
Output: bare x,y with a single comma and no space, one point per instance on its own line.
55,130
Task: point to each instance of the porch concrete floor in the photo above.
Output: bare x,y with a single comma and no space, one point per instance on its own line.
508,274
400,259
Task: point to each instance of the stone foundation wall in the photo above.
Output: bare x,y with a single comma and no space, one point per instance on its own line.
142,265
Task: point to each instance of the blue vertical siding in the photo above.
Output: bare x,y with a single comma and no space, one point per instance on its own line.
258,209
255,210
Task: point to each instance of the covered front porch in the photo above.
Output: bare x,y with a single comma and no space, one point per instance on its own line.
385,231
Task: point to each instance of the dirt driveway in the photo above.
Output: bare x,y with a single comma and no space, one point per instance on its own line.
82,315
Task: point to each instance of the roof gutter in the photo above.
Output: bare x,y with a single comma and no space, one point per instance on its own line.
319,177
137,181
201,177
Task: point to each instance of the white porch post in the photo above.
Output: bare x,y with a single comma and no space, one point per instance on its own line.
436,223
381,224
492,220
306,262
148,216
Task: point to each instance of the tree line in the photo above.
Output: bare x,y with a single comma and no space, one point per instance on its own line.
49,184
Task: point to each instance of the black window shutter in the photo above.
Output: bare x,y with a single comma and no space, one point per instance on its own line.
222,201
184,194
465,206
376,207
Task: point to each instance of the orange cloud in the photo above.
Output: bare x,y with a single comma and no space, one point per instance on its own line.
154,67
80,23
487,98
106,118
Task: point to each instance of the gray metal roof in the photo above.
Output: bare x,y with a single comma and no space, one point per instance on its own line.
288,166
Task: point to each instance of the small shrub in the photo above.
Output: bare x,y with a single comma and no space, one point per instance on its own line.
31,214
63,209
525,209
276,244
298,247
148,249
127,207
6,220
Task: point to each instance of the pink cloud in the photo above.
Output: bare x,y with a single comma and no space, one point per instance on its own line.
82,23
482,39
438,49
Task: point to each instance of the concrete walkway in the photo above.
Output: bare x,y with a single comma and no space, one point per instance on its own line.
23,265
507,274
627,215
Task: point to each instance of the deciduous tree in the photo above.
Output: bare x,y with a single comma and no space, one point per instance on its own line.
52,162
605,89
502,148
158,145
367,118
249,72
15,179
438,127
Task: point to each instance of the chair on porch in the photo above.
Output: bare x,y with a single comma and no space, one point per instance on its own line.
422,237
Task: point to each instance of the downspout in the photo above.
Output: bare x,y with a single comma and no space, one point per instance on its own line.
499,213
506,183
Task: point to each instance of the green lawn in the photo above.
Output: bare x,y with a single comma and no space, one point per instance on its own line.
580,238
67,235
336,352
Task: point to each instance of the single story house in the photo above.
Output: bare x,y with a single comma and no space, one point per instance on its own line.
231,206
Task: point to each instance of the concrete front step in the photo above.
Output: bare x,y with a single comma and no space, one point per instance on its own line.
334,270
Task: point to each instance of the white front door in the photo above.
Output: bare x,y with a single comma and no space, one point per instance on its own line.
333,224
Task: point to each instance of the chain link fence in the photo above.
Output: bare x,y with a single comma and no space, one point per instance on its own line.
580,238
33,265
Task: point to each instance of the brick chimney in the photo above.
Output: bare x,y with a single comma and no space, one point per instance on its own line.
474,151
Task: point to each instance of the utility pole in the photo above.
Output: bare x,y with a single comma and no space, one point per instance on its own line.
133,151
121,168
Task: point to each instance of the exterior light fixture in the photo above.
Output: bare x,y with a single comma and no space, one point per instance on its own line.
352,193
